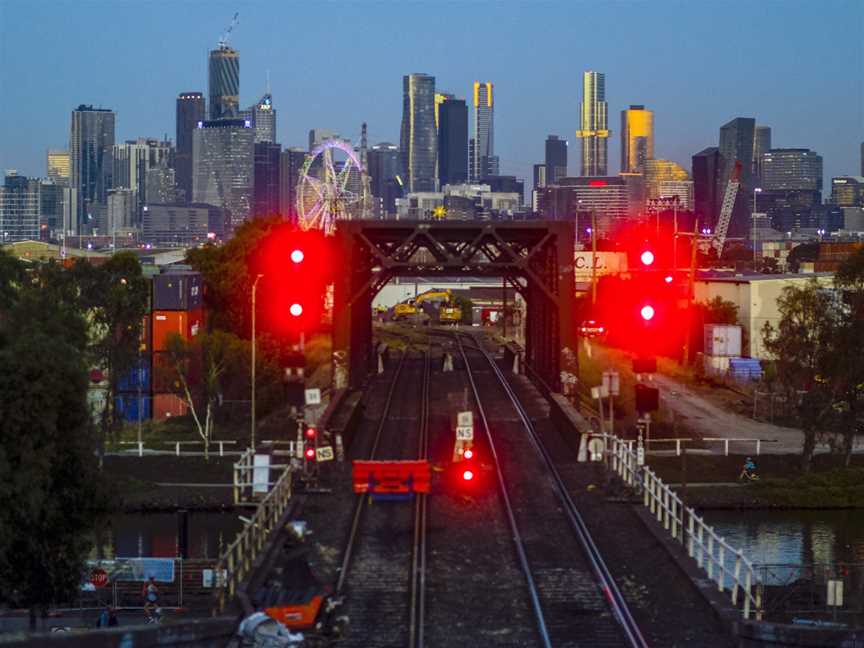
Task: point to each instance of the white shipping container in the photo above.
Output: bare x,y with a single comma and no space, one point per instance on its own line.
722,340
716,366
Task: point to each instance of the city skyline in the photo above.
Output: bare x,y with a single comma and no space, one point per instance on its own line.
756,78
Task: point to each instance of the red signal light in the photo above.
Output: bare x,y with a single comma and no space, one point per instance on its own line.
297,256
668,279
647,313
310,433
310,453
467,475
647,257
468,454
296,309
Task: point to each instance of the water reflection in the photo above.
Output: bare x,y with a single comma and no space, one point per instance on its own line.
135,535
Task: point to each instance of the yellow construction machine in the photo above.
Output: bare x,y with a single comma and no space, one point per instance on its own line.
448,311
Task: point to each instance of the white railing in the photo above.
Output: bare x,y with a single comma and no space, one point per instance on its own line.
680,442
236,563
247,486
724,564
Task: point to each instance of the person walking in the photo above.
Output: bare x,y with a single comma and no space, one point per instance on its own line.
150,593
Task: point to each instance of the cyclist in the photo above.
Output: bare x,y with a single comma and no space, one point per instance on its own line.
749,470
150,594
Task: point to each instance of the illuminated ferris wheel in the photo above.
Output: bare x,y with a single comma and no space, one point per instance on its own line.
331,188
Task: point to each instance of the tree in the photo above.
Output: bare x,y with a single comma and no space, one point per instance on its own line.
49,482
803,252
804,347
115,296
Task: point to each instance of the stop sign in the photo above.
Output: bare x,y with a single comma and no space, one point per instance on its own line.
99,577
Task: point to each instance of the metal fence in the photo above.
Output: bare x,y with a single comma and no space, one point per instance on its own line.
813,594
724,564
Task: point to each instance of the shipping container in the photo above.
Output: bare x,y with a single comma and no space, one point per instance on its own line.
128,405
178,291
165,379
166,406
722,340
145,344
186,324
136,378
715,366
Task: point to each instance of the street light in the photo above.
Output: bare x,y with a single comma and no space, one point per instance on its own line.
254,289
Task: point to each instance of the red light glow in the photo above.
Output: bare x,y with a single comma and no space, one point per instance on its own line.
668,279
468,475
310,433
647,313
468,454
310,453
597,183
297,256
647,257
296,310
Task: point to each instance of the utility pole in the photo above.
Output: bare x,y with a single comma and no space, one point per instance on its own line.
254,289
593,258
688,317
504,307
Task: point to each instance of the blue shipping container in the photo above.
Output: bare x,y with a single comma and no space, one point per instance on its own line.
126,407
137,377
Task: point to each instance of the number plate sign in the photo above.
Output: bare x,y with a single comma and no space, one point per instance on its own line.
313,396
324,453
465,433
612,382
465,419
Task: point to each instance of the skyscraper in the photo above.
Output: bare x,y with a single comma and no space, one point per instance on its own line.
58,166
706,173
224,167
19,208
791,178
593,124
267,181
556,160
452,122
761,145
190,111
485,163
91,137
384,171
224,85
290,163
263,118
657,171
637,138
418,142
736,146
132,160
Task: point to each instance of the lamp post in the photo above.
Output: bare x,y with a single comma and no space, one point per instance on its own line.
254,289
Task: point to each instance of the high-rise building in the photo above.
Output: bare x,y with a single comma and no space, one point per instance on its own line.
637,138
657,171
706,180
736,148
263,118
19,208
91,138
267,179
290,163
681,189
190,112
761,145
847,191
539,176
224,83
161,185
58,166
132,160
451,119
384,173
862,158
183,225
556,159
484,161
575,198
51,205
792,170
224,167
593,124
121,213
418,140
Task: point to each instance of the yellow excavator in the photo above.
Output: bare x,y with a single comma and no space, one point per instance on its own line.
448,311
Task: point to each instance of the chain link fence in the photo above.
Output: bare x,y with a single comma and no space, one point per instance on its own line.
812,594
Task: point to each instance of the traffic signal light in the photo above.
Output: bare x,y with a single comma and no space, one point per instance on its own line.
467,474
647,398
647,258
309,453
311,433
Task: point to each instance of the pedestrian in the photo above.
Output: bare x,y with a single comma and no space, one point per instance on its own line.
150,594
104,617
112,618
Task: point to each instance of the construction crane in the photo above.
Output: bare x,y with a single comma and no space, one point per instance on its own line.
223,40
726,208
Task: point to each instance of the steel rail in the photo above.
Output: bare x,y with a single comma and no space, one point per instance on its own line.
418,554
361,499
604,577
533,591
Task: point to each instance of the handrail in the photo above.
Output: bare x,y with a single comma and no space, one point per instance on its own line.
235,564
723,563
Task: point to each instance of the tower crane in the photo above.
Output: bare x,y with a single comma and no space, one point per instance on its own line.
726,208
223,40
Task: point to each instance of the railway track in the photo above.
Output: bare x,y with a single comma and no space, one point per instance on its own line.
382,575
573,596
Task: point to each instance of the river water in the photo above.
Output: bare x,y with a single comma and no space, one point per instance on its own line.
134,535
793,537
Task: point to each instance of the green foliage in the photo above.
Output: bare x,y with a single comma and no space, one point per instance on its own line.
11,278
467,307
803,252
49,483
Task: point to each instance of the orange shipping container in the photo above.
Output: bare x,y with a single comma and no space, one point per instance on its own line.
167,405
186,324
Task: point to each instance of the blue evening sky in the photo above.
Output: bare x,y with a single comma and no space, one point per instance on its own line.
795,66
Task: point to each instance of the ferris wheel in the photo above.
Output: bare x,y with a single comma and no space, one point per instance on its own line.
330,188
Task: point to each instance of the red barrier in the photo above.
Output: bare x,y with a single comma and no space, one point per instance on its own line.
391,477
